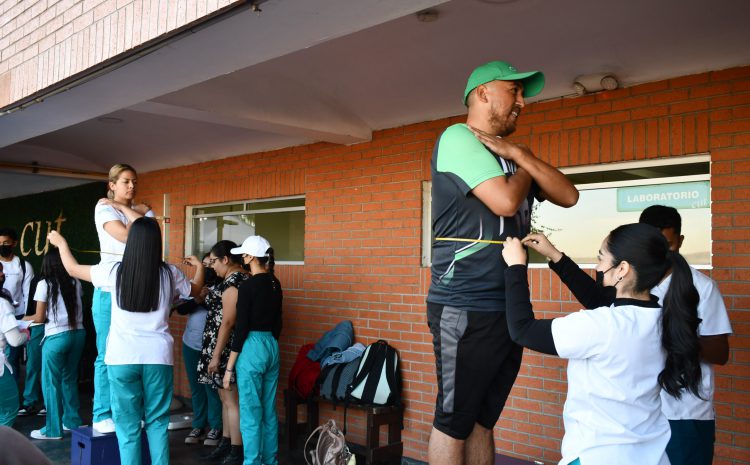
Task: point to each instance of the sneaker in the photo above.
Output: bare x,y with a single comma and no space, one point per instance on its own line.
105,426
213,437
220,451
66,429
234,457
27,410
42,411
38,434
195,436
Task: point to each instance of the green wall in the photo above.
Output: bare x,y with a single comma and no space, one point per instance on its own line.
71,209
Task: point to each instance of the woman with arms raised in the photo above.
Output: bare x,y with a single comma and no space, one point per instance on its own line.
621,355
139,347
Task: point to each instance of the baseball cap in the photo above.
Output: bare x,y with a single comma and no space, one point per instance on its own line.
533,81
257,246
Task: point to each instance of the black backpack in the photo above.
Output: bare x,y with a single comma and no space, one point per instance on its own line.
378,378
31,303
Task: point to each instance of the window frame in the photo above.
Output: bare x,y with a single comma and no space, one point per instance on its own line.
190,217
704,157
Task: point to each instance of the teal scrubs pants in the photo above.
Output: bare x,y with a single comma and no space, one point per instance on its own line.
101,311
257,371
692,442
205,399
8,398
60,356
32,392
141,392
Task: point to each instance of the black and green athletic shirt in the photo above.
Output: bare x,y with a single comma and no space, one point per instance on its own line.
469,275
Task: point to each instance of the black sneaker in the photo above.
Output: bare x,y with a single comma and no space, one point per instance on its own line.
213,437
234,457
27,410
195,436
220,451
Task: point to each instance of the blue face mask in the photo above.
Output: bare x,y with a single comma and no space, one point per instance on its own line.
600,276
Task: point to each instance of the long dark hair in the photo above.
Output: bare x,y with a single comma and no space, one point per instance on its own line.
645,249
142,268
59,282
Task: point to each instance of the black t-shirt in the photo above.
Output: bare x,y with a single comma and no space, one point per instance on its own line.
258,308
469,275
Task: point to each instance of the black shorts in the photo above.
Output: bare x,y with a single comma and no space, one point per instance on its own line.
477,364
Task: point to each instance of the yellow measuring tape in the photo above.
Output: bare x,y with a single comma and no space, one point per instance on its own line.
458,239
166,257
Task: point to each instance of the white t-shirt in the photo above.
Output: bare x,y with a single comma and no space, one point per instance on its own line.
111,249
16,284
58,322
135,337
712,311
612,413
7,322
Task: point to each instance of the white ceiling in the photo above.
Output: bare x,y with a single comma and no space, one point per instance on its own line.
335,70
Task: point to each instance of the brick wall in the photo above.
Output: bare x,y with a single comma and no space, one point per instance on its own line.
362,246
45,41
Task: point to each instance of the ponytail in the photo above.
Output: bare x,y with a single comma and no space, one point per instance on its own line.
268,261
679,337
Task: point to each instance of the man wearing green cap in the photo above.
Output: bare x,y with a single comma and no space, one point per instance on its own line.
483,187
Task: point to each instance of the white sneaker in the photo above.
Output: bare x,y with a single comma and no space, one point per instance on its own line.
65,428
37,434
105,426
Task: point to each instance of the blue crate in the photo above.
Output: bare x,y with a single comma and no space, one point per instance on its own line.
87,447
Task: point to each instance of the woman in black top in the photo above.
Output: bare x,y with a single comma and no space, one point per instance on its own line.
255,352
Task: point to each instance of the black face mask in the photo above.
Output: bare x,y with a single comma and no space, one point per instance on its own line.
209,276
6,251
600,276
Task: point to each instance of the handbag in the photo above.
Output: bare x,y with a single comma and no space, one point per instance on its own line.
329,447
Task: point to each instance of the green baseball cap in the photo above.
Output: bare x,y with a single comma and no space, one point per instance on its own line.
533,81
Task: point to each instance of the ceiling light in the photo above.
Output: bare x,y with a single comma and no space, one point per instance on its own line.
589,83
427,16
109,120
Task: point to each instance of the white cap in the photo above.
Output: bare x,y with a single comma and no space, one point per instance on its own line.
256,246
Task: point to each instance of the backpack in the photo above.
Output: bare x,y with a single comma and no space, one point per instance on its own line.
378,378
304,373
31,303
335,379
329,447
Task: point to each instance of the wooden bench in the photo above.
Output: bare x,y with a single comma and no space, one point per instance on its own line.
371,452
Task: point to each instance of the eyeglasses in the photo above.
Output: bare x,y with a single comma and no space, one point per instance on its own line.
211,261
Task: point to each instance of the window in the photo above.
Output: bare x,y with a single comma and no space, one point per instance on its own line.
281,221
615,194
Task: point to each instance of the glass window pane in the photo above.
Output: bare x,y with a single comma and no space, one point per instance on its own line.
646,172
579,231
209,231
235,207
286,233
268,204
